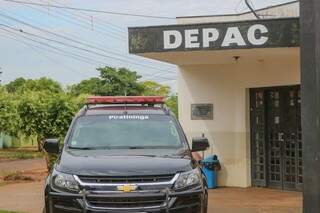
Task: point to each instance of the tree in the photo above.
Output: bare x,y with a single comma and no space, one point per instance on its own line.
32,109
172,103
91,86
120,81
152,88
15,85
21,85
61,110
2,89
9,119
45,115
112,82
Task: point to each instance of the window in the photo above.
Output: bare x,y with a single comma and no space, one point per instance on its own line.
125,132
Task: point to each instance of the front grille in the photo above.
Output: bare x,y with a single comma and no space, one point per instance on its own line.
66,203
125,202
127,179
188,200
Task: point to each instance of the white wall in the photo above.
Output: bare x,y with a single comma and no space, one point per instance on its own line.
226,86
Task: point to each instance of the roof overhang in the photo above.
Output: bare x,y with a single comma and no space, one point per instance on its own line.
272,55
217,42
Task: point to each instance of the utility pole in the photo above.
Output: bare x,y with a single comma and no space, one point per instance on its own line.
310,82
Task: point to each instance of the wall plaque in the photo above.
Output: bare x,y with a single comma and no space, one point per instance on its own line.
201,111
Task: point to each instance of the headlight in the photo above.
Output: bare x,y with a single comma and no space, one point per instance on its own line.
188,179
64,182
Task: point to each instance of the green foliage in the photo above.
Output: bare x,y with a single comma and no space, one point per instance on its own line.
152,88
91,86
112,82
43,109
9,118
2,89
32,110
21,85
172,103
51,159
15,85
4,211
16,154
79,100
61,110
119,81
46,115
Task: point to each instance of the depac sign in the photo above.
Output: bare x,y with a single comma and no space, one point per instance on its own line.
256,35
215,36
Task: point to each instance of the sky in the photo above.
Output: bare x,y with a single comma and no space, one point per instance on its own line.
23,57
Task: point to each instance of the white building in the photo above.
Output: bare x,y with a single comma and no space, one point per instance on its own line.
238,83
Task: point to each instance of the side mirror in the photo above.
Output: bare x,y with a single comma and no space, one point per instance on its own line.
200,144
51,146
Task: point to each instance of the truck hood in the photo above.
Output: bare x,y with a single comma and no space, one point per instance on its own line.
126,162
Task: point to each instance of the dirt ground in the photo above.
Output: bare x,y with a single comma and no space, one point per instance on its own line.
22,197
22,165
28,197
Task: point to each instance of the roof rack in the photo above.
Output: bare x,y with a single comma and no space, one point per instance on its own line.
95,100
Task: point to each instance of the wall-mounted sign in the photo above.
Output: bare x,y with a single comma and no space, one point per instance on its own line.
201,111
211,36
256,35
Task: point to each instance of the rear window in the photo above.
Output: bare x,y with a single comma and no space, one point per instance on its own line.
125,132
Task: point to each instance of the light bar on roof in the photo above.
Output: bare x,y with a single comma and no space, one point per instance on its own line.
125,100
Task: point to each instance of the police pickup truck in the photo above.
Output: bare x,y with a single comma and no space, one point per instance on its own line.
126,154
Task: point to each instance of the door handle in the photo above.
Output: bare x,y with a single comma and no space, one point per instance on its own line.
281,136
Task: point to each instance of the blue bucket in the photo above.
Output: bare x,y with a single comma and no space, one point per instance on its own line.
211,165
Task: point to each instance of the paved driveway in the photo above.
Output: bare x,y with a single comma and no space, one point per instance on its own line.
254,200
27,197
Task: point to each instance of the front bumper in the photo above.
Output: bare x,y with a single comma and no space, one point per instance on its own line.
165,201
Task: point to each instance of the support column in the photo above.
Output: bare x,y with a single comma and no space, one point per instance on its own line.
310,80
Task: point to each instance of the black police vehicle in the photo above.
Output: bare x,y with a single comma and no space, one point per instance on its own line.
126,154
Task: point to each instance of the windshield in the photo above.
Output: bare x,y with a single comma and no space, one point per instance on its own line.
125,132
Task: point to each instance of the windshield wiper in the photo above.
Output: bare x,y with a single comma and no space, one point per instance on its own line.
81,148
90,148
136,147
171,156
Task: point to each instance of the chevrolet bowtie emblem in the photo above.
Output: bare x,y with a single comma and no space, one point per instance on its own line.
127,188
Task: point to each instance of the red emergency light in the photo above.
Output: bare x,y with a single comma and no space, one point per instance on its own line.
125,100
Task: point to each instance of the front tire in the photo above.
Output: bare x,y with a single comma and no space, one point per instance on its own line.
205,202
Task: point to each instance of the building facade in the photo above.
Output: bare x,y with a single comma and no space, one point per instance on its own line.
238,83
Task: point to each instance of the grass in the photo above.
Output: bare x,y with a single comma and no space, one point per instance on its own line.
19,154
16,176
4,211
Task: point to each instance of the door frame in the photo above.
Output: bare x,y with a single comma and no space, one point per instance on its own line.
264,182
